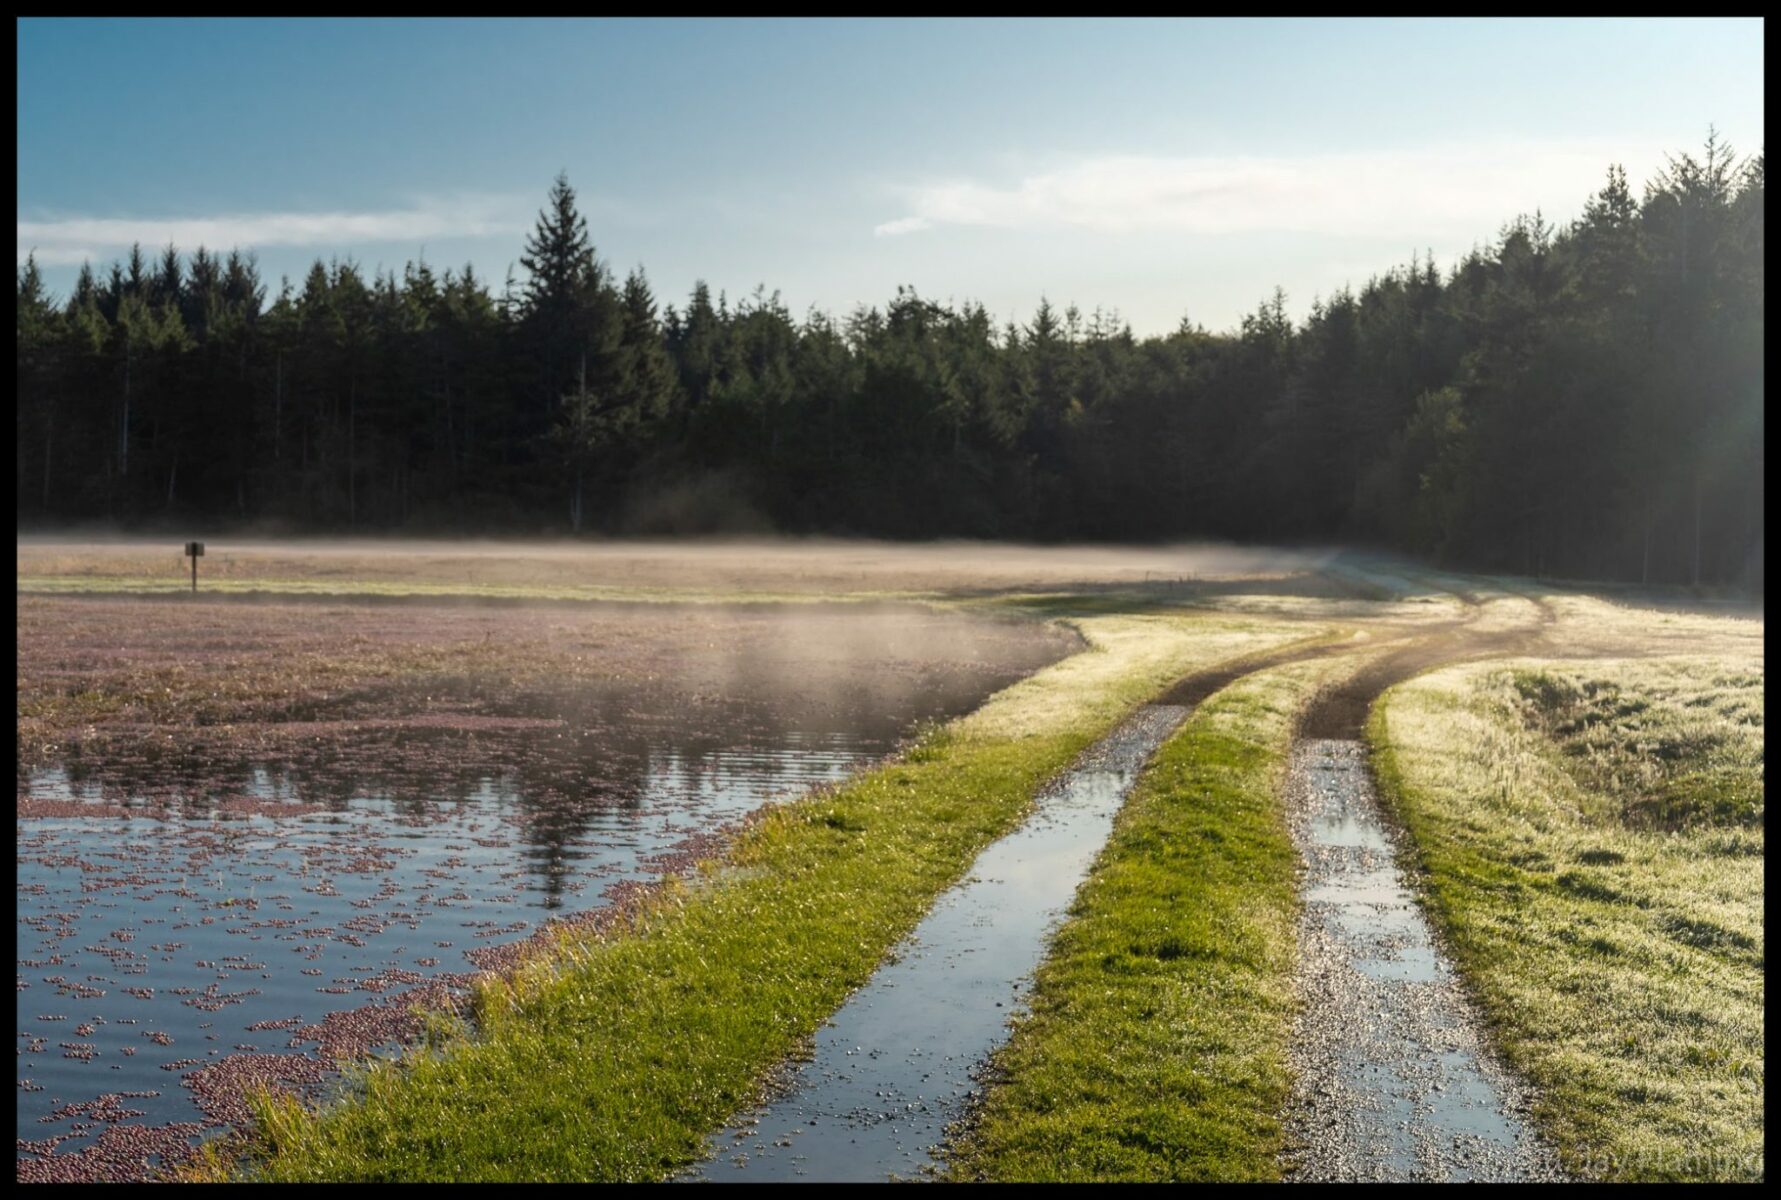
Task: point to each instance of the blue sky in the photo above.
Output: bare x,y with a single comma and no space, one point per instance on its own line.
1153,167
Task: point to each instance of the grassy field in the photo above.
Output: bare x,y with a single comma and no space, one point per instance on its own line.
1156,1046
611,1057
1592,837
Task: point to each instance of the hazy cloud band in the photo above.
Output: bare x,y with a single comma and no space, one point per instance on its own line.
1470,192
76,238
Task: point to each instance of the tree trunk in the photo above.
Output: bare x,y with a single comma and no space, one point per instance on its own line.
352,454
172,478
1696,574
1749,539
451,449
575,504
124,430
49,427
278,406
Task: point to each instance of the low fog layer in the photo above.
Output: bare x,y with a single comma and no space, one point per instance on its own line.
796,565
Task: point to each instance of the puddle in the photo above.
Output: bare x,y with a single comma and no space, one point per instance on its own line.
1413,963
187,904
894,1066
1394,1081
1347,829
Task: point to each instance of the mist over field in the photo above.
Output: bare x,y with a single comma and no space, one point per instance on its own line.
808,565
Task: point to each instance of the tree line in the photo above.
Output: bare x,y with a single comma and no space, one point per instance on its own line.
1583,401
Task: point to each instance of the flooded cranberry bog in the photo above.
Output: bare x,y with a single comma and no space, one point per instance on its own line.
254,837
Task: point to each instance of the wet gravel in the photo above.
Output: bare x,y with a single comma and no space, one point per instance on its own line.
1395,1080
897,1063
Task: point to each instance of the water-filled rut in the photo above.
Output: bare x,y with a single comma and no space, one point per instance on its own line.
895,1065
1394,1078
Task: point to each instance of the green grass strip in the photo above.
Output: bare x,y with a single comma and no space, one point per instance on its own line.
613,1058
1620,967
1156,1045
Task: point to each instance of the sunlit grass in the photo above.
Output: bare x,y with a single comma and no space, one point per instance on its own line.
1598,625
1669,745
1593,843
1089,685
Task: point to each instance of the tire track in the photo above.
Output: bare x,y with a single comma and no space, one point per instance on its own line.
898,1064
1395,1078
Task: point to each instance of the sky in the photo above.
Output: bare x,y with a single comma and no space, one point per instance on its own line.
1157,169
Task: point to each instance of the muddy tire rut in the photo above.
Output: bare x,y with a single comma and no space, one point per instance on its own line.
1395,1078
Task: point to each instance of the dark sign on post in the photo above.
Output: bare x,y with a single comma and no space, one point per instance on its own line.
194,551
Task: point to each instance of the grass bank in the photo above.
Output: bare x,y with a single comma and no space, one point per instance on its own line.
612,1056
1156,1045
1591,838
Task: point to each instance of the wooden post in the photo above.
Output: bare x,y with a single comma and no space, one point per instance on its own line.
194,551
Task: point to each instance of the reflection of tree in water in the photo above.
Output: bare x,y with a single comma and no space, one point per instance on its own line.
556,782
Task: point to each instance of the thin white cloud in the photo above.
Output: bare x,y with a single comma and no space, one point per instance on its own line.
1469,191
905,225
72,239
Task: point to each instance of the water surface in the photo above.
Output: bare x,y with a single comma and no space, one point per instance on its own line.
186,901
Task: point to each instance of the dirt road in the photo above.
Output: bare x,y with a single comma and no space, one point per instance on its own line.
1394,1076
